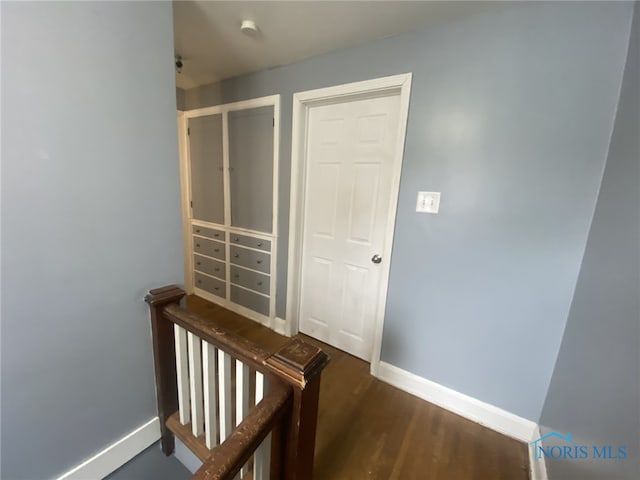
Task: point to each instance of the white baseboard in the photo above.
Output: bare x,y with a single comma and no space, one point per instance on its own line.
280,326
116,454
483,413
537,468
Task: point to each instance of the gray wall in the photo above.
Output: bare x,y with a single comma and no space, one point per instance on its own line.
90,222
595,390
510,118
179,98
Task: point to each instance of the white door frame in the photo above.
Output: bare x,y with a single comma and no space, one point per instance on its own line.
302,101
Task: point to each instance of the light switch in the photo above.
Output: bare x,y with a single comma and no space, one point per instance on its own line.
428,202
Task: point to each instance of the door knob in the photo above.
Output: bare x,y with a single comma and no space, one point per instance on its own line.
376,258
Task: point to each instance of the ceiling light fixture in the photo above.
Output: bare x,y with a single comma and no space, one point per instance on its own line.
248,27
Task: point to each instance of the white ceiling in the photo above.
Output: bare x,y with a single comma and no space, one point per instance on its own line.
208,37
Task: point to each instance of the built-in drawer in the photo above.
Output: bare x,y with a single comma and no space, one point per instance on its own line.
210,248
248,241
208,232
210,284
210,266
253,280
251,300
250,258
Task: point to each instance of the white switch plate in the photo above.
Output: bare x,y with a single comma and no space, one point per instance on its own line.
428,202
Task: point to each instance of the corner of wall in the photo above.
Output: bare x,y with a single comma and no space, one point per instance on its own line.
537,467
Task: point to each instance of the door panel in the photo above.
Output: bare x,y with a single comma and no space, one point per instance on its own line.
206,164
319,282
355,281
323,200
251,168
350,150
362,212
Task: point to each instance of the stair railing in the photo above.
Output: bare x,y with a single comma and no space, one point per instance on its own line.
258,423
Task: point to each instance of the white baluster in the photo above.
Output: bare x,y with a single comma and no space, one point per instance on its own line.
259,387
210,400
262,455
242,397
195,382
242,391
224,388
182,365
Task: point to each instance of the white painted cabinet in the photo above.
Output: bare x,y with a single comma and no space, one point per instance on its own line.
229,167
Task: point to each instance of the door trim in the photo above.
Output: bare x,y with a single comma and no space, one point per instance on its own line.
302,102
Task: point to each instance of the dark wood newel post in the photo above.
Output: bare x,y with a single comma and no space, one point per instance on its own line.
300,364
164,358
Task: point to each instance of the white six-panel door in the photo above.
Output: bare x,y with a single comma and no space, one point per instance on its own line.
350,149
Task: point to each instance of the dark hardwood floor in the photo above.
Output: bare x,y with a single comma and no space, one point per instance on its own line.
370,430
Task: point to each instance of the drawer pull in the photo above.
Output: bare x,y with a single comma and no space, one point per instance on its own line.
237,275
198,263
216,234
236,239
259,244
216,288
216,250
259,261
217,269
237,255
199,281
197,230
259,283
197,244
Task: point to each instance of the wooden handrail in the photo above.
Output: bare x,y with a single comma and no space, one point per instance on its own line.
295,368
227,459
231,343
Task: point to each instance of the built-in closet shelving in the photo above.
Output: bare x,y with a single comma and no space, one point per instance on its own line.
229,167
